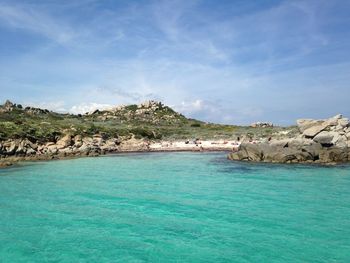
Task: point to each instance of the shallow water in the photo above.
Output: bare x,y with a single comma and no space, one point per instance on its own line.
173,207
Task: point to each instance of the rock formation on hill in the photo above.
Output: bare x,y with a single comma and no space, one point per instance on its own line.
320,141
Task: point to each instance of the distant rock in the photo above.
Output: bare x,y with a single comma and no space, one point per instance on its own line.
304,124
261,124
320,141
8,105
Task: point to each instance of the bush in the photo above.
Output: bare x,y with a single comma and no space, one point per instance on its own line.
141,132
132,107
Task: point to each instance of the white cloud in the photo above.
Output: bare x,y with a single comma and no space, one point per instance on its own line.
88,107
56,106
189,107
27,18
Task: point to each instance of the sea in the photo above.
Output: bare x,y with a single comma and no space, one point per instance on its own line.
173,207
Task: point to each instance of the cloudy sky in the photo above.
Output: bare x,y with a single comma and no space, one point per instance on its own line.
233,61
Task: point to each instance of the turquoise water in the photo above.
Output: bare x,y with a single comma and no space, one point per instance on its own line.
173,207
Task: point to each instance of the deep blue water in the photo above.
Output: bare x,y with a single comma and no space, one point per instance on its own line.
173,207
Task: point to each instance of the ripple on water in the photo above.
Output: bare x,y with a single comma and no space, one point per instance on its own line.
173,207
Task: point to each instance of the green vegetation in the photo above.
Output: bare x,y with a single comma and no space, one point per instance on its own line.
153,121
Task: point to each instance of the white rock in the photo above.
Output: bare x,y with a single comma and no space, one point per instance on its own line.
304,124
87,140
78,142
325,137
315,129
280,143
344,122
52,149
332,121
338,128
64,142
340,141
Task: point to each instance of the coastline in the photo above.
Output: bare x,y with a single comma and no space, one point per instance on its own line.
132,146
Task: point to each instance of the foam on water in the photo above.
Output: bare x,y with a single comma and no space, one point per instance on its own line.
173,207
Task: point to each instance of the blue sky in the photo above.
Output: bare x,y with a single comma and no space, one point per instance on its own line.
221,61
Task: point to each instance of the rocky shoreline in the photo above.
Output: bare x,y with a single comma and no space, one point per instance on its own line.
69,146
319,142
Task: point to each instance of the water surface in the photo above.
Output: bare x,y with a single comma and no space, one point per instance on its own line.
173,207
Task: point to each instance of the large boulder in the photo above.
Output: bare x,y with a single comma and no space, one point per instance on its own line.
8,106
97,139
340,141
294,151
11,147
344,122
64,142
333,155
310,128
78,141
325,137
110,145
315,129
304,124
247,152
51,148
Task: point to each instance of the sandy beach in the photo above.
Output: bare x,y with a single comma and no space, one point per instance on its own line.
194,146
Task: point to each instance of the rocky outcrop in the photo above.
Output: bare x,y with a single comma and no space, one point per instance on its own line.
320,141
67,145
8,106
261,124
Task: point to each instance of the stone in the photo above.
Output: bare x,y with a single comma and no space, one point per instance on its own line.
21,149
299,141
344,122
340,141
78,141
97,139
325,137
332,121
52,149
295,151
315,129
12,148
338,128
30,151
87,140
281,143
85,147
247,152
64,142
261,124
8,106
304,124
333,155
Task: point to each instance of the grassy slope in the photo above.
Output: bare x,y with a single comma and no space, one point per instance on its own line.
162,123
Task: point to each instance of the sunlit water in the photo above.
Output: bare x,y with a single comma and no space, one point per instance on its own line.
173,207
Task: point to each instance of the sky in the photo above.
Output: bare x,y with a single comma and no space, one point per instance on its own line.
227,61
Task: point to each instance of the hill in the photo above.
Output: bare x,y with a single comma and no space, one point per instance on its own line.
151,120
